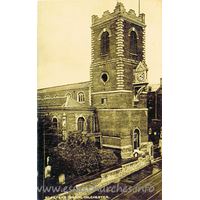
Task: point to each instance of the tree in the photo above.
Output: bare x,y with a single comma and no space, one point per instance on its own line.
78,156
47,138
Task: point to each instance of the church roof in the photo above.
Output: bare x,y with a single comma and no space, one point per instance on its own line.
62,103
72,103
72,86
51,102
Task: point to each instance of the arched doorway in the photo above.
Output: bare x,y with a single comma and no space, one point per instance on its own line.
136,138
81,121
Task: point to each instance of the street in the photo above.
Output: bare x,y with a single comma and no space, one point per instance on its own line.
145,184
154,190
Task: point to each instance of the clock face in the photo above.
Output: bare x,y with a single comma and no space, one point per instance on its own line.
140,76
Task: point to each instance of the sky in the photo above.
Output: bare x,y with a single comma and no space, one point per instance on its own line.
64,38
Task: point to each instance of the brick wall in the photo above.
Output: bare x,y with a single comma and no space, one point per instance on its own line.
128,76
114,100
142,101
122,122
112,41
71,118
113,141
140,46
98,84
117,63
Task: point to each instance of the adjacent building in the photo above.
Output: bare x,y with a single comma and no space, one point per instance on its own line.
154,102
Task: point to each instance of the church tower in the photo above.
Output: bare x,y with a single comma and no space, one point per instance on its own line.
118,73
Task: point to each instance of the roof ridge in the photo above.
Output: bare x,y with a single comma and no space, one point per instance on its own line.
64,85
76,104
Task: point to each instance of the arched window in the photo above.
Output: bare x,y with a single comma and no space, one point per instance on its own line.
56,95
55,122
133,42
81,123
81,97
46,97
105,42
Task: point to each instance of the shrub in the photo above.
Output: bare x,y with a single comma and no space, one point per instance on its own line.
78,156
107,158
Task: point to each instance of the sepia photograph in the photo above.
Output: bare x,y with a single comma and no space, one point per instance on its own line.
99,99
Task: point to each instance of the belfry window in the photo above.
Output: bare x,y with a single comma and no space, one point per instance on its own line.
105,43
133,42
81,97
81,123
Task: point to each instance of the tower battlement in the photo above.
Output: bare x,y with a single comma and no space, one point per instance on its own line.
119,11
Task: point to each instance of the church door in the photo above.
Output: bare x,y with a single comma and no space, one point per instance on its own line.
136,139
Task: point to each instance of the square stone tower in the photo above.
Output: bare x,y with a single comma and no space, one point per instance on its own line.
119,78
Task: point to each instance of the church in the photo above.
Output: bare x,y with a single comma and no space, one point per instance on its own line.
111,108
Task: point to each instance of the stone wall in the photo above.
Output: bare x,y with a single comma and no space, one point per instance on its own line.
113,176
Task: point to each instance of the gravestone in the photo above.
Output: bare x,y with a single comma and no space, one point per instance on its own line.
61,179
47,171
48,160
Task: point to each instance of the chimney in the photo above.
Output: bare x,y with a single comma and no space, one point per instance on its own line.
161,82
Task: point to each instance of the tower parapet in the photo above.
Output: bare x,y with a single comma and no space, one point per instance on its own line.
119,11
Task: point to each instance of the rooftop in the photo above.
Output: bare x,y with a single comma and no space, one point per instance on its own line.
80,85
62,103
154,87
51,102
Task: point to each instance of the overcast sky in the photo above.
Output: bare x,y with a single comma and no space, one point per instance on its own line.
64,38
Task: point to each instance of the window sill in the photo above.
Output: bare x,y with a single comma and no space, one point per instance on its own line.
104,55
81,101
133,54
135,100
